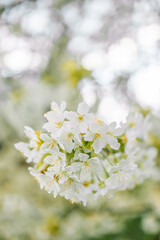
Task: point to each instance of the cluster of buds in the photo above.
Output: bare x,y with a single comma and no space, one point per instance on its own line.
80,157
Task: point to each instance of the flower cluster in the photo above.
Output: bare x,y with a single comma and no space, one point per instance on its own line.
80,157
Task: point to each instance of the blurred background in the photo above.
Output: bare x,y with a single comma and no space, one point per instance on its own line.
103,52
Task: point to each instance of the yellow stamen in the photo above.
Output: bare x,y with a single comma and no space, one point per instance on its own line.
86,184
80,117
109,133
39,142
98,121
124,138
97,135
131,124
69,136
58,124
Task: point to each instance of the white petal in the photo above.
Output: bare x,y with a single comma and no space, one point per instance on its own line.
63,106
30,133
89,118
23,148
54,107
127,165
62,156
94,127
49,159
97,146
130,117
88,137
118,132
83,156
49,126
114,144
69,146
83,108
84,175
44,137
83,127
112,126
70,115
74,167
55,133
111,182
56,189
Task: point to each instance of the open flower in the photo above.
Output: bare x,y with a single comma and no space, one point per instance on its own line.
48,142
85,167
69,138
55,118
34,137
56,159
112,133
82,118
97,135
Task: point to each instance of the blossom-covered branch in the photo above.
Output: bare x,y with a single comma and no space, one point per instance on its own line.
81,158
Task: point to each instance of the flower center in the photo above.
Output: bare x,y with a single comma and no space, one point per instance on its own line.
98,121
39,142
58,124
110,134
97,135
124,138
56,177
86,184
131,124
69,136
80,117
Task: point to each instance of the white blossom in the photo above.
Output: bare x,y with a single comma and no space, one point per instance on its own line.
97,135
82,118
55,118
69,138
112,133
85,167
56,159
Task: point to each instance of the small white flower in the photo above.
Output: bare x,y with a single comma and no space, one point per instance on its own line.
52,185
55,118
86,167
144,159
56,109
69,138
48,142
40,177
73,190
132,119
32,155
34,137
82,118
56,159
97,134
24,149
119,175
112,134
